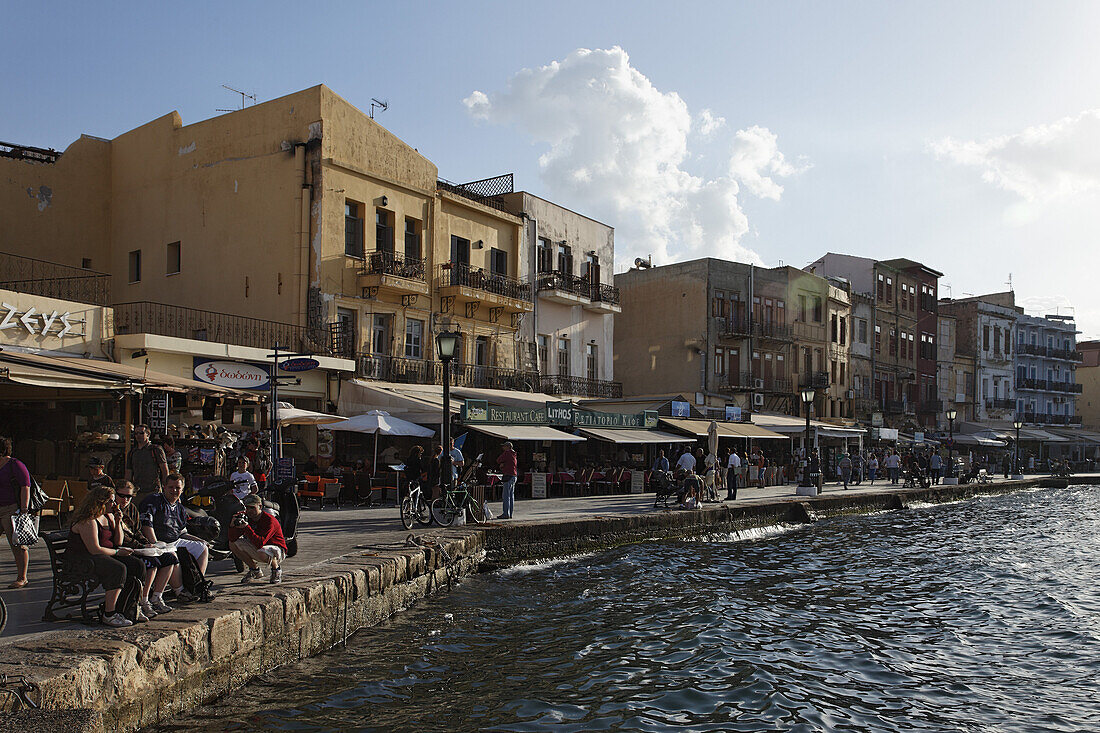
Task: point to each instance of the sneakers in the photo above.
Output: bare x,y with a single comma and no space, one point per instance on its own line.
147,608
276,576
117,620
140,617
184,596
159,606
252,574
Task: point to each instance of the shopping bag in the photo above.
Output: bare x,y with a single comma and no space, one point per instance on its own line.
24,529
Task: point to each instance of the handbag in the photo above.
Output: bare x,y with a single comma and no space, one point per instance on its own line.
24,529
38,498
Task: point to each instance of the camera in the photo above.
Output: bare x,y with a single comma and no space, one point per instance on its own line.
239,520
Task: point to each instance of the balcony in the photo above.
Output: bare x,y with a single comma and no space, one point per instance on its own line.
1027,383
604,299
731,328
421,371
394,369
1039,418
999,404
563,287
1066,387
53,280
557,384
816,380
225,328
744,382
473,287
1050,353
867,405
930,406
894,407
395,272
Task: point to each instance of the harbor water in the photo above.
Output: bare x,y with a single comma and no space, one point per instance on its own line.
981,615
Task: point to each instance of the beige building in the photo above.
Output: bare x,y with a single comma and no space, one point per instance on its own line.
1088,376
299,221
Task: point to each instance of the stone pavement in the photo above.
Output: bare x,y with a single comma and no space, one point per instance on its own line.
329,533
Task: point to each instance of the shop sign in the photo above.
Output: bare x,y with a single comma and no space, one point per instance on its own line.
156,411
284,469
302,364
480,411
876,419
561,414
918,437
538,486
37,324
681,409
733,413
231,374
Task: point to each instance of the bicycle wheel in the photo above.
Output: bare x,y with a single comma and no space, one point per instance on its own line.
476,510
444,511
408,514
3,615
423,512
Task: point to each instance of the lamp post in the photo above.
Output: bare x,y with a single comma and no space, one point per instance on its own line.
1016,474
807,488
445,344
949,476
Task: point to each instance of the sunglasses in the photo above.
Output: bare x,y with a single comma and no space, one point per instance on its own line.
124,496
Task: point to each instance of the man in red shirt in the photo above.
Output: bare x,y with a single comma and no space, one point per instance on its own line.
509,469
257,537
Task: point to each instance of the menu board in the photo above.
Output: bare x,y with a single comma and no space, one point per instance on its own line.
538,485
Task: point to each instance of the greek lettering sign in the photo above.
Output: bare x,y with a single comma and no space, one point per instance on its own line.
35,323
232,374
561,414
301,364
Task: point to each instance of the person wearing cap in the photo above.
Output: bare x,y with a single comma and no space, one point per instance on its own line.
509,469
97,476
257,537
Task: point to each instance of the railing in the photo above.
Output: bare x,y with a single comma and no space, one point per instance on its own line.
1028,383
475,193
564,281
557,384
189,323
53,280
390,263
341,339
816,380
743,381
867,405
603,293
999,404
394,369
1039,350
453,273
421,371
27,152
894,407
930,406
728,327
1039,418
1069,387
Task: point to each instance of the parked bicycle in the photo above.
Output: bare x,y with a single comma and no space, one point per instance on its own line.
3,614
459,499
414,508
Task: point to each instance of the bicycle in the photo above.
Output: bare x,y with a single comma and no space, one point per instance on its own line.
3,614
446,508
415,509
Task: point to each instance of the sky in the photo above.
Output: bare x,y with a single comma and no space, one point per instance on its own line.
965,135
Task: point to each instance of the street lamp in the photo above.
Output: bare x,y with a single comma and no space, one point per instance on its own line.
951,415
445,344
807,400
1018,423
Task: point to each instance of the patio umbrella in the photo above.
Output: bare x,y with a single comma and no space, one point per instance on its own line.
287,414
380,422
712,438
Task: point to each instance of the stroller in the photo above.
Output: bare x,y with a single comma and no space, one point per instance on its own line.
916,477
663,484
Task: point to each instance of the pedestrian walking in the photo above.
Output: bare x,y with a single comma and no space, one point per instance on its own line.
845,466
733,466
15,496
872,469
935,467
509,469
147,466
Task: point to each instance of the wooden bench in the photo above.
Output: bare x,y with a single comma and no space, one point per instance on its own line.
69,589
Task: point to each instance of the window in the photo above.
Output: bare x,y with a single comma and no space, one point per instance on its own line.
893,342
819,359
997,340
862,331
544,255
889,290
593,361
412,239
565,259
803,314
842,373
344,337
780,311
498,261
807,361
135,266
380,334
878,339
1008,342
985,338
86,263
563,357
544,353
592,269
817,309
414,339
881,290
460,250
481,351
173,265
353,228
834,331
719,361
737,308
383,231
843,330
718,304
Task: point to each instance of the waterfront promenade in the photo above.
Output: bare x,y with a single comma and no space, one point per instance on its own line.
330,533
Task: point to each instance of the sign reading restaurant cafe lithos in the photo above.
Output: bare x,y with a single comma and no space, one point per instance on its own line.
555,413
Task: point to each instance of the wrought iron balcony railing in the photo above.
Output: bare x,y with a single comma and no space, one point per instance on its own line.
603,293
53,280
1000,404
453,273
390,263
816,380
558,384
421,371
894,407
563,281
190,323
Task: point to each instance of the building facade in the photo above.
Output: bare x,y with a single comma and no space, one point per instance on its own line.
1046,370
955,376
1088,378
984,330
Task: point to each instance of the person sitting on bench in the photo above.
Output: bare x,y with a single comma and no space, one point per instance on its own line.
95,548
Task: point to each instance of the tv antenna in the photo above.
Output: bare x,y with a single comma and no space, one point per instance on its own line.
244,97
1009,283
382,104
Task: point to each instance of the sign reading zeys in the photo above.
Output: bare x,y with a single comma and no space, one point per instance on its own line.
232,374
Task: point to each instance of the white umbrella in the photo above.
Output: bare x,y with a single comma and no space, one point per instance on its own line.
380,422
287,414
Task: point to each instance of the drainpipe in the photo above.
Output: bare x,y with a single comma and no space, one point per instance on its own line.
749,323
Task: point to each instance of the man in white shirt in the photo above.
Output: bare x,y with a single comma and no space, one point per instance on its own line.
732,467
686,462
457,462
244,483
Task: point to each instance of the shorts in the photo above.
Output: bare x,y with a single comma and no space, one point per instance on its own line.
195,547
264,555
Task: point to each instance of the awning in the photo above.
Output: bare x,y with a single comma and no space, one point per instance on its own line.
1077,435
699,429
977,440
526,432
790,425
33,376
418,403
631,436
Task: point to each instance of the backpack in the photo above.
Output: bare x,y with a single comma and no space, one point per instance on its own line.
192,577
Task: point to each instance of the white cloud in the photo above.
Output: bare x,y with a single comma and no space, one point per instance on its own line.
1039,164
617,148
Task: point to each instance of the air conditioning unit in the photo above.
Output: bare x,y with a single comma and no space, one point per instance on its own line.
759,384
960,397
758,400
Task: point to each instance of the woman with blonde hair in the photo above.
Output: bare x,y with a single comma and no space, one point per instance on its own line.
95,548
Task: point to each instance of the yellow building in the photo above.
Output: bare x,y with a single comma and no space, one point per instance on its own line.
299,221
